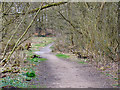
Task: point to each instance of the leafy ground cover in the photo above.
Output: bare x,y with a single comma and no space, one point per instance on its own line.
27,66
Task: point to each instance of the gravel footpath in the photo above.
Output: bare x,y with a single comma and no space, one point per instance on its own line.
59,73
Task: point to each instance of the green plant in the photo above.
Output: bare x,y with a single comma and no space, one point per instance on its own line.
28,78
115,79
25,61
15,82
62,55
107,74
117,85
31,74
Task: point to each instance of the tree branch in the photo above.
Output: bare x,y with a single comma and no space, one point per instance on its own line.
69,22
12,36
16,44
25,39
36,9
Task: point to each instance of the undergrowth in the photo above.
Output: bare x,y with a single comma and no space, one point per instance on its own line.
36,59
27,73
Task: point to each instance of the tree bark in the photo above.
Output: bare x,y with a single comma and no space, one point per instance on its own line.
1,27
119,41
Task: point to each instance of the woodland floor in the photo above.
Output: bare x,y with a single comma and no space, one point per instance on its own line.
52,71
64,73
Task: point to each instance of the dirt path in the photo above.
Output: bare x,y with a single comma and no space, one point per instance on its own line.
58,73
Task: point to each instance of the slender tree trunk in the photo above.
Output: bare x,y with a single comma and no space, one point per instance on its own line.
69,18
119,41
21,37
0,27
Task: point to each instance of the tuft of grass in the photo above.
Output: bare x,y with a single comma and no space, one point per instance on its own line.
62,55
42,59
40,45
52,47
82,62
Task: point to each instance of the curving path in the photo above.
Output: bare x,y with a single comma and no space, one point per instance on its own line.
59,73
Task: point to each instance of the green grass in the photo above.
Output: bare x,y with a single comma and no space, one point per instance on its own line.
42,59
52,47
40,45
62,56
82,62
39,59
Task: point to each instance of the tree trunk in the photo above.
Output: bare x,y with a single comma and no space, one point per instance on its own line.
0,27
119,40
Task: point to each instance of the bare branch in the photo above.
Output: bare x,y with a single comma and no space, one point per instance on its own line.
16,44
36,9
5,50
69,22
